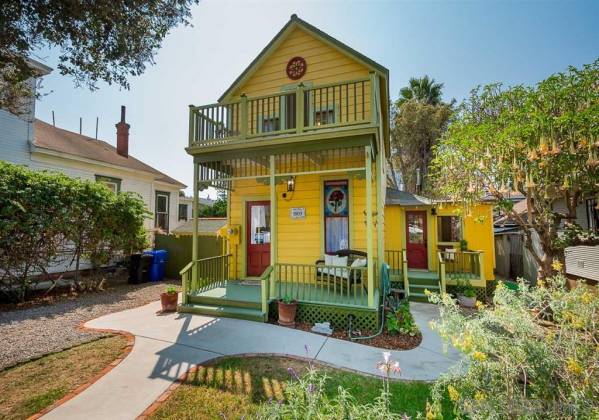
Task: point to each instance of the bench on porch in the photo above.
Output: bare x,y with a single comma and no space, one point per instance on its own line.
342,265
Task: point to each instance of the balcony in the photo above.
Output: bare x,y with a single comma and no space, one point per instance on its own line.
304,110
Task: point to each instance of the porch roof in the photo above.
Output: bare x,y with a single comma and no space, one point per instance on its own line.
404,198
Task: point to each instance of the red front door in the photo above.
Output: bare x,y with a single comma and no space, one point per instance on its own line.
416,239
258,237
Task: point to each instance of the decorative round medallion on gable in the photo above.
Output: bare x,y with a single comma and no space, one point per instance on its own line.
296,68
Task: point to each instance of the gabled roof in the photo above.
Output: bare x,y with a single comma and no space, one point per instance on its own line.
46,136
293,23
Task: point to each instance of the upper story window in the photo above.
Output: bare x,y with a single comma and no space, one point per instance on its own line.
592,214
183,211
162,210
113,184
449,229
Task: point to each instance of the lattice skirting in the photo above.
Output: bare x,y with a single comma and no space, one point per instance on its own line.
363,319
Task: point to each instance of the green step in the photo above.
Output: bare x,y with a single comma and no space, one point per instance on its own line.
423,287
224,311
216,301
418,297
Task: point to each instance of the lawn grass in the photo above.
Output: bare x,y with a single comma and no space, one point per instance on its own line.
29,387
235,387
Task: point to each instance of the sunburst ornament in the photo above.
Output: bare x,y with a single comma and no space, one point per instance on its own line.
296,68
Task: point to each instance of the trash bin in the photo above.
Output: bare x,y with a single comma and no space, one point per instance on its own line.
158,267
139,268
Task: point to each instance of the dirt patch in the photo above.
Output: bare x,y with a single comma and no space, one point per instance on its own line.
383,341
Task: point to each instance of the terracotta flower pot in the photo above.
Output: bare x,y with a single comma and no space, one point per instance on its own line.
169,301
287,313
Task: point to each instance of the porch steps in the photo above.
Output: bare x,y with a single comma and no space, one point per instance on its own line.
222,301
419,281
249,314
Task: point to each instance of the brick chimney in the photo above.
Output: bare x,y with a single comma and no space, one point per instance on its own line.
122,135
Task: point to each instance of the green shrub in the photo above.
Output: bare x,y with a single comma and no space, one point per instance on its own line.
465,288
48,218
533,353
401,321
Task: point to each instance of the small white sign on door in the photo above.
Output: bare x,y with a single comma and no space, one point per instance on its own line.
298,212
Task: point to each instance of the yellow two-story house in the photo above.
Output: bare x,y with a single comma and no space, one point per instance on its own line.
299,141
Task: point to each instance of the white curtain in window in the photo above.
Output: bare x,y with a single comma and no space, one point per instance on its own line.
337,233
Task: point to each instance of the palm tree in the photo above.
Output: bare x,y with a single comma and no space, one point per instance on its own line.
422,89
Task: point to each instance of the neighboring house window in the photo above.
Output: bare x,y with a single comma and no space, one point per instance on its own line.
162,206
449,229
336,215
592,214
113,184
182,211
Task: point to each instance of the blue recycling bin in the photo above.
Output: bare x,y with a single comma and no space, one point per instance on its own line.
158,266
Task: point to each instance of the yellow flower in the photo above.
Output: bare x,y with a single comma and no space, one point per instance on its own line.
540,283
479,355
573,366
479,396
427,292
586,298
479,305
557,265
454,395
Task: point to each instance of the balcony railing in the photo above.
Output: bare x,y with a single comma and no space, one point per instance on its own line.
304,109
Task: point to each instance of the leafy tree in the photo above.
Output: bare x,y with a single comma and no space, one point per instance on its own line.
49,218
218,209
416,128
531,355
542,141
33,220
424,89
99,41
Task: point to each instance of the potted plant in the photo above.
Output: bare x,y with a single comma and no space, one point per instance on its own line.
466,293
463,245
168,299
287,311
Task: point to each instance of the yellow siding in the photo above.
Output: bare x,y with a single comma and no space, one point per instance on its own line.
300,241
324,65
477,231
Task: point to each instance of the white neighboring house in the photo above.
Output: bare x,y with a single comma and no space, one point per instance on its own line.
25,140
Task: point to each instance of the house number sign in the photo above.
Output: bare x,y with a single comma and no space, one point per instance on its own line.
298,212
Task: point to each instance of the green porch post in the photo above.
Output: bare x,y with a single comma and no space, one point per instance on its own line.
380,208
369,227
194,243
273,225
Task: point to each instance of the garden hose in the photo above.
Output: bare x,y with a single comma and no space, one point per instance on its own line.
385,283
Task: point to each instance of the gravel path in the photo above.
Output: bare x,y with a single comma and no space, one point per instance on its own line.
33,332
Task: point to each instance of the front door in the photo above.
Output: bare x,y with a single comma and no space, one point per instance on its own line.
258,237
416,239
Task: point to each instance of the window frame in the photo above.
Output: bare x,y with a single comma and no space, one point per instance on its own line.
324,215
106,180
439,224
156,212
185,218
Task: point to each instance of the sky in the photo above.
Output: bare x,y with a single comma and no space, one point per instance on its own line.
461,44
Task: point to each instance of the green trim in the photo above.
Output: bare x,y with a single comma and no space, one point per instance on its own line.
105,179
280,37
321,140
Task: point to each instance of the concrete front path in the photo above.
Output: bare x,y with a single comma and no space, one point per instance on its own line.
166,346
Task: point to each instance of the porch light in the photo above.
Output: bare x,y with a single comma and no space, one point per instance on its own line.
291,184
434,211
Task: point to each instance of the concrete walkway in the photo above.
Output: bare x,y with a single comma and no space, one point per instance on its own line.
166,346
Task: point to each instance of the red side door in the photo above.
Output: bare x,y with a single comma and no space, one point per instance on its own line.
257,237
416,239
